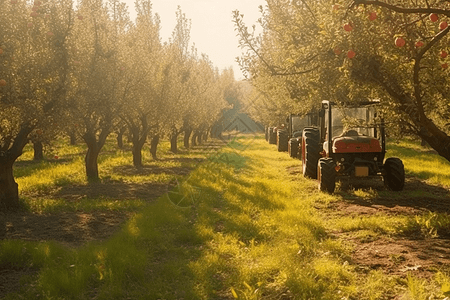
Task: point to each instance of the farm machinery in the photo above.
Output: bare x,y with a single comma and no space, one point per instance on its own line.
288,137
349,142
296,124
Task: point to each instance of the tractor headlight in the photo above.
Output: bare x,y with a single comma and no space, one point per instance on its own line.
342,159
375,158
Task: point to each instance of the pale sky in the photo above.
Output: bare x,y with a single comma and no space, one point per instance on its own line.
212,28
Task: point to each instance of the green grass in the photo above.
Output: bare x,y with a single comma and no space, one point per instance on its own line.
240,226
420,162
38,179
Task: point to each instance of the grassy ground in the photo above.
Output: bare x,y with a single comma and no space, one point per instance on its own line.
243,225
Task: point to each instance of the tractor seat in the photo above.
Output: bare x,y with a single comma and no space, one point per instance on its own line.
350,132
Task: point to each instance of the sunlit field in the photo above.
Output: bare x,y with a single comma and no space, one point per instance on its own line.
243,224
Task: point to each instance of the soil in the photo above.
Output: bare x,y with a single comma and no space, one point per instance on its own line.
393,255
409,253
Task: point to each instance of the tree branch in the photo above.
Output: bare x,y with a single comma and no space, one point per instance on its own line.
403,10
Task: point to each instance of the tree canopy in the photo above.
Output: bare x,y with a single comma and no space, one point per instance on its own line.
88,70
395,51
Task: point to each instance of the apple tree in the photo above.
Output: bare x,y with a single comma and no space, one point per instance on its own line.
349,50
99,77
34,79
141,108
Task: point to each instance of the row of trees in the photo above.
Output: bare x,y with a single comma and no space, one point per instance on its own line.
90,71
348,50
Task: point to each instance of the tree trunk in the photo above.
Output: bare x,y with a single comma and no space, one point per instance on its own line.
199,138
436,138
154,146
91,158
137,155
38,150
174,143
120,139
187,135
73,138
91,162
137,142
9,189
194,139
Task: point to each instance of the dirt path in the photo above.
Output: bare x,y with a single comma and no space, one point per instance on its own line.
397,255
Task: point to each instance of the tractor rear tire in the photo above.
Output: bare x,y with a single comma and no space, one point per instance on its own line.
394,177
310,152
293,148
272,136
282,141
326,175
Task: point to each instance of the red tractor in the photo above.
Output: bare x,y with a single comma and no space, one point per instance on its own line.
350,142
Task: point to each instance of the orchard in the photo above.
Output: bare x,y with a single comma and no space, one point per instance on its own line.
349,50
88,70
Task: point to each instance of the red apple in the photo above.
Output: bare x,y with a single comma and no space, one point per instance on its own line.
50,34
1,51
337,51
372,16
13,1
443,25
351,54
348,27
56,157
336,7
34,14
433,17
400,42
444,66
444,54
419,44
2,82
29,25
39,132
80,17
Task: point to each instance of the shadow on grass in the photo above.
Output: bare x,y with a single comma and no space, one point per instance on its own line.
113,190
417,195
70,229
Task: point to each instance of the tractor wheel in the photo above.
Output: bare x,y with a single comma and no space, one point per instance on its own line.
290,148
310,152
282,141
293,147
394,174
326,175
272,136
